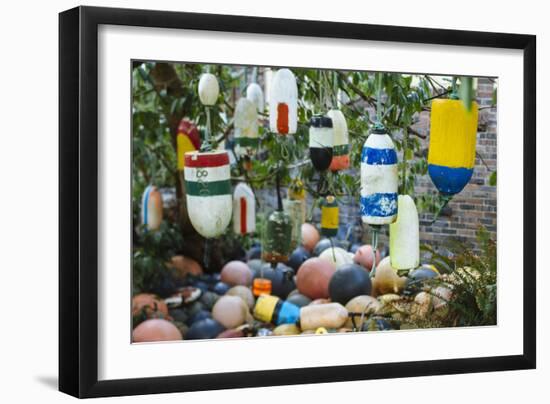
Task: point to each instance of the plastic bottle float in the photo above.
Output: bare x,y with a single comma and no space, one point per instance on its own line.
295,206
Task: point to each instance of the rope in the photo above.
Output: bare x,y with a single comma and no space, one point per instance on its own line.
375,230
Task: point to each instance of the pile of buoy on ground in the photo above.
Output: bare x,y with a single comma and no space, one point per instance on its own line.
312,293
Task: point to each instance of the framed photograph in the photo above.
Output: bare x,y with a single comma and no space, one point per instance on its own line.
252,201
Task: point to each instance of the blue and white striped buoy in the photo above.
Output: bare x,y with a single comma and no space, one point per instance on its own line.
378,179
151,208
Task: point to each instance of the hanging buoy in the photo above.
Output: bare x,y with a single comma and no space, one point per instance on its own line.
276,243
151,208
246,128
295,207
452,150
404,235
329,216
209,89
320,141
188,139
295,211
378,179
340,147
244,209
283,103
208,190
255,94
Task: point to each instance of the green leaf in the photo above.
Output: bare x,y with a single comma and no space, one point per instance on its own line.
493,179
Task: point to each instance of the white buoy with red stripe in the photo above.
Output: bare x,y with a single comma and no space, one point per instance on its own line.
208,190
151,208
283,103
244,209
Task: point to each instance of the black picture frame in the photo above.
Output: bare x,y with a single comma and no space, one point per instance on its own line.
78,200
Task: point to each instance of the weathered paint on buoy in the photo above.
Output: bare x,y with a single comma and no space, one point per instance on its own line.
340,146
155,330
246,128
230,311
404,235
261,286
378,179
255,94
329,216
387,280
271,309
337,255
321,136
244,209
209,89
151,208
329,315
452,150
347,282
283,103
188,139
276,243
310,236
208,191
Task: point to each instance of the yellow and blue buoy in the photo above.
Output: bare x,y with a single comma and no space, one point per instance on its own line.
451,156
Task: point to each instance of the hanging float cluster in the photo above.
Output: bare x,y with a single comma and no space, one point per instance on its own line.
207,182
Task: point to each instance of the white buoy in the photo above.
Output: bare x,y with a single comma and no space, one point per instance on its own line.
246,128
378,179
283,103
255,94
208,191
340,146
209,89
244,209
404,235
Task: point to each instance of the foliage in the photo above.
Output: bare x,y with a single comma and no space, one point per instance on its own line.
151,252
472,277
